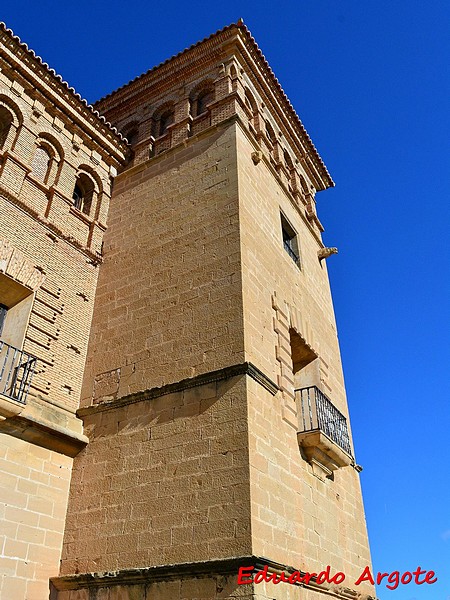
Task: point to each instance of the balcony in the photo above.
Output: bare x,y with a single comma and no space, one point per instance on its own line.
323,432
16,372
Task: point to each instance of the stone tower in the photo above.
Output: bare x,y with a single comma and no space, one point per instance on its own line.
213,396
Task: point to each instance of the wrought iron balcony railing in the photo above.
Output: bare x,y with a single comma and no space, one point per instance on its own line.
318,412
16,372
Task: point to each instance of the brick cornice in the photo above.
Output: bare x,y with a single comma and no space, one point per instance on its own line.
205,50
219,47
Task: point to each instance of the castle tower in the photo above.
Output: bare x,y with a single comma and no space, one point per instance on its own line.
213,396
56,161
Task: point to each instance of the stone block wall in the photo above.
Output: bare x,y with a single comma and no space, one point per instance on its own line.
273,280
164,480
297,517
34,487
168,302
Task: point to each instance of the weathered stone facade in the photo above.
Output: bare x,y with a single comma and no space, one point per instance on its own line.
213,401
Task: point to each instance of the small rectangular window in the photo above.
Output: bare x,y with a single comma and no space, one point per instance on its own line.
290,241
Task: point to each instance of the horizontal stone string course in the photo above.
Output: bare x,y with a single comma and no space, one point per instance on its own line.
219,375
219,572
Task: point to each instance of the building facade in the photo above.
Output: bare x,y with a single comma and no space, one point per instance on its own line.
204,427
53,147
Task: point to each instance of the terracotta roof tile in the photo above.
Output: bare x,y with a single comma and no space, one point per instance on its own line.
249,38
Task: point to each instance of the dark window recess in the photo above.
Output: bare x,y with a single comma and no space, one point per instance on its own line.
165,120
77,197
5,125
202,102
290,240
83,193
270,132
132,136
3,311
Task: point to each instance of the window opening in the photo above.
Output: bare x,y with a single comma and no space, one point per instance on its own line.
203,100
83,193
16,365
270,133
290,241
249,101
251,105
5,125
77,197
288,161
166,119
132,136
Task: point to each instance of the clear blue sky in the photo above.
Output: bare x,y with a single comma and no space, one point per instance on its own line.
370,80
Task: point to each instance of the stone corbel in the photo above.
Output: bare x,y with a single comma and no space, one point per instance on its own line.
256,157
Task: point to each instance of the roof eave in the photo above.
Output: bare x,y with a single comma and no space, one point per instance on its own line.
66,96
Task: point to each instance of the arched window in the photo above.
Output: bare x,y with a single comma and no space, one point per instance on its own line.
304,185
5,125
288,161
249,101
83,193
199,99
270,134
289,166
132,136
40,166
252,109
166,119
203,99
161,122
